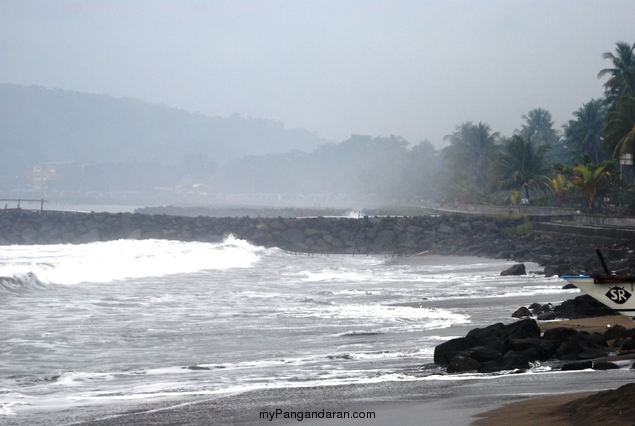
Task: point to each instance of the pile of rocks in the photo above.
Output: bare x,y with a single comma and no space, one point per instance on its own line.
583,306
514,346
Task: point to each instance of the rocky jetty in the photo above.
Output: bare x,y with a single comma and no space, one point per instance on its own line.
384,235
450,235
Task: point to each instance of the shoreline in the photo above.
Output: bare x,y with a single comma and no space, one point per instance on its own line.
454,400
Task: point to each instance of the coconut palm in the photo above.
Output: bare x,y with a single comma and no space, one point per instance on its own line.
619,129
590,181
559,187
539,127
522,165
622,75
585,133
472,150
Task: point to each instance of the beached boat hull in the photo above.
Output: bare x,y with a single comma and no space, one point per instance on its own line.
615,291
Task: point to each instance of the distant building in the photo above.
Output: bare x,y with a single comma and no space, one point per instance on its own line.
43,175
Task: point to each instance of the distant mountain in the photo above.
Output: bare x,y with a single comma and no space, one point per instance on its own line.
40,125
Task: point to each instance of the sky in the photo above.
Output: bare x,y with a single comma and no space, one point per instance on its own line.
416,69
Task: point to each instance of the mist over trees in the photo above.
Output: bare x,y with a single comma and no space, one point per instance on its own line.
362,166
101,145
39,125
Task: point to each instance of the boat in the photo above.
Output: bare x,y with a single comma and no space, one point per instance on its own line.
614,291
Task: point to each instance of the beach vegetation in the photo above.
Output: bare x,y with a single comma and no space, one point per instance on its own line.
522,165
619,127
585,134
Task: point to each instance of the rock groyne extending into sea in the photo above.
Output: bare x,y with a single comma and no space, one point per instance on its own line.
487,236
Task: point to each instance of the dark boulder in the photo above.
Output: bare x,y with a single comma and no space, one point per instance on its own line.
547,316
517,330
522,312
616,332
582,307
560,334
583,346
628,345
534,349
518,269
510,361
444,352
535,307
462,363
575,366
525,329
605,365
483,353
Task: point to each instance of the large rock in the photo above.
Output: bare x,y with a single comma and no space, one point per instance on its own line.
510,361
582,307
518,269
462,363
444,352
522,312
483,353
534,349
500,332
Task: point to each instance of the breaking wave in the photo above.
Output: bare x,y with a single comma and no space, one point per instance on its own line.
33,267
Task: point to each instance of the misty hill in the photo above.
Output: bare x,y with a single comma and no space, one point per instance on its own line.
40,125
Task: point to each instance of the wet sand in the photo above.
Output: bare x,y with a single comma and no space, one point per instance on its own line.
546,411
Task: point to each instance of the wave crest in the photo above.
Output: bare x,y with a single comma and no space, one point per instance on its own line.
32,267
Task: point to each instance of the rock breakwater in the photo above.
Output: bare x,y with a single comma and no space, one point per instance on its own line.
494,237
389,235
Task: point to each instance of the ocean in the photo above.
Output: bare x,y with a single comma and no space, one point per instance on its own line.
96,330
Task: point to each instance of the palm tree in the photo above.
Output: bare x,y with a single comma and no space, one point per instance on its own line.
472,150
539,127
622,76
585,133
515,197
522,165
619,128
559,187
590,181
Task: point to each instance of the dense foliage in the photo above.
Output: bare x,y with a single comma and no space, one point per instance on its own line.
548,166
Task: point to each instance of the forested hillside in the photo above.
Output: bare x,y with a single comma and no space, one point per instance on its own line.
39,126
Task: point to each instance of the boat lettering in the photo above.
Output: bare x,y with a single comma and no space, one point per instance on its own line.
618,295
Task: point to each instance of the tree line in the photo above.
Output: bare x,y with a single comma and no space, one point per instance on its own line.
585,161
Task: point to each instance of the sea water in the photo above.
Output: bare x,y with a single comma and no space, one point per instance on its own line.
102,324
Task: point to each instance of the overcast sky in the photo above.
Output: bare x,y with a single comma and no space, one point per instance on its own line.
410,68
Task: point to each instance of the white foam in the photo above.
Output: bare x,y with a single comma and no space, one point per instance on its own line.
122,259
330,276
424,318
5,407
